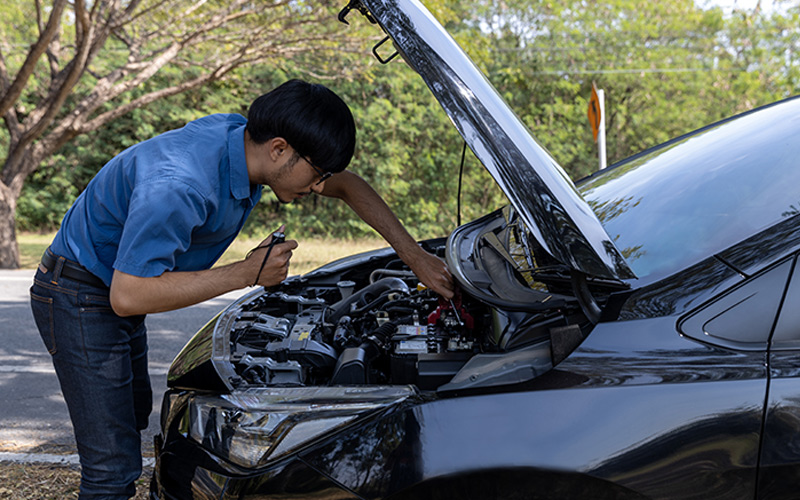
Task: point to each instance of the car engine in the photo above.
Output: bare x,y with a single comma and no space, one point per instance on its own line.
367,320
388,332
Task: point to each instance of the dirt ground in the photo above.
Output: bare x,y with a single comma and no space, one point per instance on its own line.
51,482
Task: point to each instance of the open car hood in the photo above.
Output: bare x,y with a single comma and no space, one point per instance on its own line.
537,187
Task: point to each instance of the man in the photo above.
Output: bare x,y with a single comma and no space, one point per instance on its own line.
144,234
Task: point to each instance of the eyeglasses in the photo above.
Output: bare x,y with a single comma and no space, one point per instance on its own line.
323,176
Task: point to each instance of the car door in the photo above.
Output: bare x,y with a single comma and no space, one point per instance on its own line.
779,472
685,408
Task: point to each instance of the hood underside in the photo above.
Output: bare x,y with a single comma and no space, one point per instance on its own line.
537,187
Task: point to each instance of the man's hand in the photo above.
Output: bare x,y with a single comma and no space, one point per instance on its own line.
276,268
431,271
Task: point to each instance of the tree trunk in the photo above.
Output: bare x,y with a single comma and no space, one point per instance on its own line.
9,250
21,161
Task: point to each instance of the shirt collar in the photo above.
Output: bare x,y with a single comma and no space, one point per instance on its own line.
240,181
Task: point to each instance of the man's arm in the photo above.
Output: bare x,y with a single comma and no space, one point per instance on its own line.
368,205
131,295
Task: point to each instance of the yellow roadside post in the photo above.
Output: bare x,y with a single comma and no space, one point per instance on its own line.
596,114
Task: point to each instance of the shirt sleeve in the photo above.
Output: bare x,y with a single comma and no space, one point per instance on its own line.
162,215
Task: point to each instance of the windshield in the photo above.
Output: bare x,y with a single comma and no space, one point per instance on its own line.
693,197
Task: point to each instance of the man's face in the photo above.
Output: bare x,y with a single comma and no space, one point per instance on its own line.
295,178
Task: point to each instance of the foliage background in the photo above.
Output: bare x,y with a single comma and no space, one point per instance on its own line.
667,67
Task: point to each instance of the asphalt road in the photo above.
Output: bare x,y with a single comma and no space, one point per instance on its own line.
33,415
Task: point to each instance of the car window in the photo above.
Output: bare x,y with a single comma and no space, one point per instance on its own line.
741,318
698,195
787,330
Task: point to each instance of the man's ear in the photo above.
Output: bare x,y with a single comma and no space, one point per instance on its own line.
278,146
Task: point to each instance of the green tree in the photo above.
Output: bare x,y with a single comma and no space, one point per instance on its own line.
667,67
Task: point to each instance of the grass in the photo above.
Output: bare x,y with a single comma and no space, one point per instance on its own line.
31,248
52,482
310,254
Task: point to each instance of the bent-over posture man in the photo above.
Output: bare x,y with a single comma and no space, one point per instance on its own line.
144,234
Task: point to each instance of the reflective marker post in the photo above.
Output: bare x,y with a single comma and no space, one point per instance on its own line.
597,120
601,133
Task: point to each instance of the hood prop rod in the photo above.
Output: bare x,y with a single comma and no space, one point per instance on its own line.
378,56
585,298
357,5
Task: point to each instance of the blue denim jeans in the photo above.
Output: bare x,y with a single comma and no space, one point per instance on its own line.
101,363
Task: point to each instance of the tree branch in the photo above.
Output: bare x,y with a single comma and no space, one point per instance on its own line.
12,93
241,41
61,86
3,72
110,115
38,5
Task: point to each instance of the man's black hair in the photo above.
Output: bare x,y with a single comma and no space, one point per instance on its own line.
312,118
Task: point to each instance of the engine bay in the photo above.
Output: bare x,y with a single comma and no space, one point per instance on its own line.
388,332
367,320
376,324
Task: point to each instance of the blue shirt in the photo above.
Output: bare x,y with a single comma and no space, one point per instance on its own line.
171,203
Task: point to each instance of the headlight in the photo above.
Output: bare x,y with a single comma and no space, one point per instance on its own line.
255,426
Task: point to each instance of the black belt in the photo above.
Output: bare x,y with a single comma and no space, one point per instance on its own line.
71,270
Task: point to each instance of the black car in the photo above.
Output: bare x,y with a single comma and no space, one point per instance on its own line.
636,336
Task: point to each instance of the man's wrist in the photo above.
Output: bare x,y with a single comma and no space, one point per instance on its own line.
404,245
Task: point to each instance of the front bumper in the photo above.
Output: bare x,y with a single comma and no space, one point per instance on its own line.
185,471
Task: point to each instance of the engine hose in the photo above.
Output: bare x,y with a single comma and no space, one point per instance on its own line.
400,309
375,343
390,272
383,334
342,307
385,331
383,297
